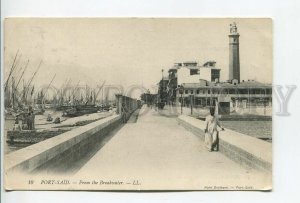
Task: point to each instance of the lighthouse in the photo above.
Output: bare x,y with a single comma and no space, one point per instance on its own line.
234,55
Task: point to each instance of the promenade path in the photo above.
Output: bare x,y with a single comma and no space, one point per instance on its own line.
160,154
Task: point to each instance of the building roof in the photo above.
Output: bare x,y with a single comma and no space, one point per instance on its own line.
246,84
194,65
209,64
185,63
254,83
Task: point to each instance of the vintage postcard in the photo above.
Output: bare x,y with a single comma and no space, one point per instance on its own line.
137,104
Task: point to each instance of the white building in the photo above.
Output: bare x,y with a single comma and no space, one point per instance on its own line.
190,72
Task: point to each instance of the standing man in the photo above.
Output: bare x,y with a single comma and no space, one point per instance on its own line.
30,119
211,131
16,125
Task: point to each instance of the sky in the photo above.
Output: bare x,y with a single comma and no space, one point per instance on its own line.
132,51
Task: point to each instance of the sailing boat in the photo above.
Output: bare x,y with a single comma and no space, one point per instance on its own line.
87,108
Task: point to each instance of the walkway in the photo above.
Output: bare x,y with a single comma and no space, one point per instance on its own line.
160,154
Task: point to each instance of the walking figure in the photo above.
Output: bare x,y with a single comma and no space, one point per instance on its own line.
211,131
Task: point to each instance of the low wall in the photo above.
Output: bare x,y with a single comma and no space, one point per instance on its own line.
243,149
61,149
128,103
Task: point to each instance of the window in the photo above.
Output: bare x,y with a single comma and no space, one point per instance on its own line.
215,75
243,91
215,91
208,91
186,91
198,91
192,92
194,72
232,91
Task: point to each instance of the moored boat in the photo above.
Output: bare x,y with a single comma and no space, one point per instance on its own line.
32,136
80,110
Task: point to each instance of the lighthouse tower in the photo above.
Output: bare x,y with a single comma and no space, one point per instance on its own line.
234,55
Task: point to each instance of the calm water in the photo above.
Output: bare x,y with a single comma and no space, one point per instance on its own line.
252,128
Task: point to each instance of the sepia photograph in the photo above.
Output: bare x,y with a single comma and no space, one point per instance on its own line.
137,104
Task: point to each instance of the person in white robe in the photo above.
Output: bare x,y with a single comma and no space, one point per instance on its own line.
211,131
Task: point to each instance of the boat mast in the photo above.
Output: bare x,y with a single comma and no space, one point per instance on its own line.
95,96
43,101
22,73
13,92
74,91
29,83
11,70
63,91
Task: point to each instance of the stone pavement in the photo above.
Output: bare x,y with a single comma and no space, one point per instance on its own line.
155,153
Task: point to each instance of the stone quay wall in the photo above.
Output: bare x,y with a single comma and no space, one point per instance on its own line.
243,149
61,149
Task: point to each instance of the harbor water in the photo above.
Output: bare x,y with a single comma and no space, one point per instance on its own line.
252,128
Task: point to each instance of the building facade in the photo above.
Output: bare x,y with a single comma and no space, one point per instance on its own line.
244,94
191,72
202,87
